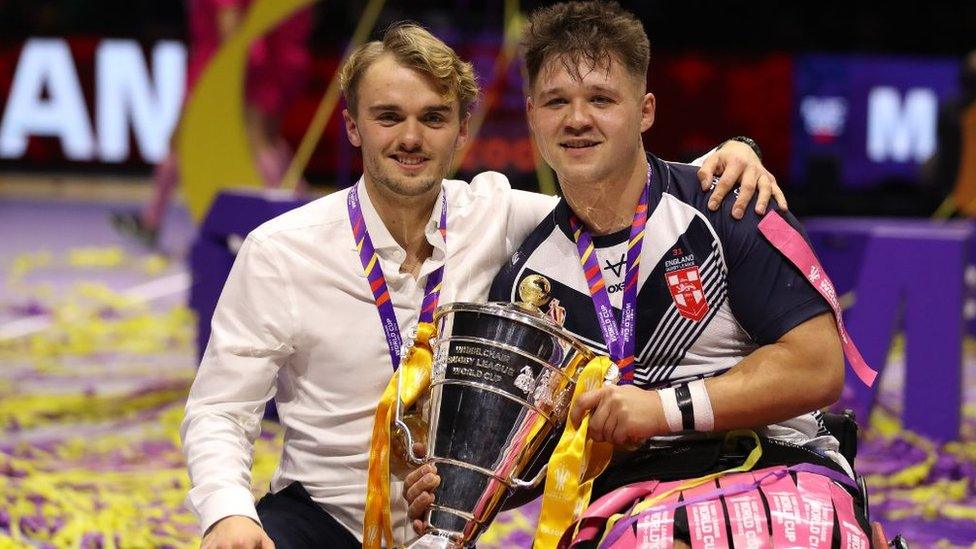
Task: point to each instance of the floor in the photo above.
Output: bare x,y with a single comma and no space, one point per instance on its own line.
96,357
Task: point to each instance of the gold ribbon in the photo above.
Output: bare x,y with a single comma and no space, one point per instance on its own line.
575,462
415,370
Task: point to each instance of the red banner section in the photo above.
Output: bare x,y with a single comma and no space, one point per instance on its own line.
103,104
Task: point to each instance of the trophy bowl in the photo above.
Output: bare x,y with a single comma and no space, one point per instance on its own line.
501,382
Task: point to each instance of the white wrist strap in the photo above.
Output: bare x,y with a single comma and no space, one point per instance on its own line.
671,412
704,417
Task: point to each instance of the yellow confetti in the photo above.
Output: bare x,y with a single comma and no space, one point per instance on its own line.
25,264
96,257
155,264
95,463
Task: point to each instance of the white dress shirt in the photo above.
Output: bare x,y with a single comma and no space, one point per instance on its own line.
297,321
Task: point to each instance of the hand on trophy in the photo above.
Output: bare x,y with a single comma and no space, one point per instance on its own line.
418,489
621,414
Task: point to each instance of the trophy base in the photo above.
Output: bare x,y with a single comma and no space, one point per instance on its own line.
435,540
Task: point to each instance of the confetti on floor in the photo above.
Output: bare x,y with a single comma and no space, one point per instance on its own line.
92,396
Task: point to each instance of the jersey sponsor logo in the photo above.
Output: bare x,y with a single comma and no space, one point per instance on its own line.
516,257
617,267
686,291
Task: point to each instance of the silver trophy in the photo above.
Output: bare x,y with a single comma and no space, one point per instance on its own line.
502,379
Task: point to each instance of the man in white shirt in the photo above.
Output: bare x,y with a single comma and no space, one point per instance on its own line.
297,319
719,327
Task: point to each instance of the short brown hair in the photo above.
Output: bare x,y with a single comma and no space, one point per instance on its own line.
595,32
415,47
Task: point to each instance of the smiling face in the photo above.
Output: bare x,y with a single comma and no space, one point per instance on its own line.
408,131
588,127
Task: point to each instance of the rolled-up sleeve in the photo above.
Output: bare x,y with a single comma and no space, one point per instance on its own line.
251,339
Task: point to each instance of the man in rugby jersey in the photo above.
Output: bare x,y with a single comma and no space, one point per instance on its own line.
301,316
727,335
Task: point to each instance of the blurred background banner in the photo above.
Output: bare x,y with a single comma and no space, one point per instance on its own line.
89,102
872,118
850,123
864,113
104,104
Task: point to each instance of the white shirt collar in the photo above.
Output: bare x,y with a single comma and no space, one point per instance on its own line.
387,246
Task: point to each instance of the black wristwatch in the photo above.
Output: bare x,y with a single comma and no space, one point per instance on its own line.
748,141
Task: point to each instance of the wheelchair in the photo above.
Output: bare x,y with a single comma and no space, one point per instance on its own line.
843,426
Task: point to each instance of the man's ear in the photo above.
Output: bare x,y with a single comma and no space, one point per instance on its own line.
529,108
462,137
352,129
648,105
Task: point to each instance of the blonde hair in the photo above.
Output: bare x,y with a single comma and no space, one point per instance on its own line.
416,48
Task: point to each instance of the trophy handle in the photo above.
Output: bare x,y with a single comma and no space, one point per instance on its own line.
403,429
529,484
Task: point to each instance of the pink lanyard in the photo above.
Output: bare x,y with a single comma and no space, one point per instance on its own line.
791,244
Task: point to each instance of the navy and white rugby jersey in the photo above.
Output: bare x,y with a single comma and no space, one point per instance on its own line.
711,289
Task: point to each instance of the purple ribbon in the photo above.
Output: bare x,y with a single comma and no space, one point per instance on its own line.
620,339
377,282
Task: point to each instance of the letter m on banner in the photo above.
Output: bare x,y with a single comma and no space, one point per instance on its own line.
901,130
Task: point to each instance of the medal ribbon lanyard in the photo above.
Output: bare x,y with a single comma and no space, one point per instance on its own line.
377,282
620,339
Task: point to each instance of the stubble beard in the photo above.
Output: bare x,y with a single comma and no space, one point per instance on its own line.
397,185
588,196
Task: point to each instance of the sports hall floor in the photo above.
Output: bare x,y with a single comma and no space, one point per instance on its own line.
97,355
